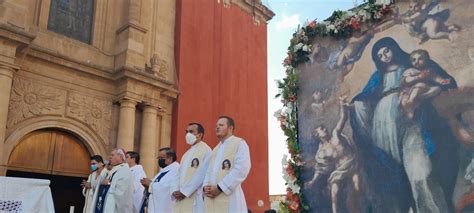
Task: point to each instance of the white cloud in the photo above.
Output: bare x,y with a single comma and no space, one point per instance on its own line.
288,22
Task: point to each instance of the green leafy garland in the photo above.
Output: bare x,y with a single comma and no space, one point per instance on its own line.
341,24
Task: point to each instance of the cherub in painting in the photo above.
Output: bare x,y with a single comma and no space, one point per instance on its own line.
421,82
428,21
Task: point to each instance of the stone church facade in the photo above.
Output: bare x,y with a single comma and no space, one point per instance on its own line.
101,70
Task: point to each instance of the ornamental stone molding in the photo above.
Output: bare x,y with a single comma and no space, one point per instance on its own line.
29,100
258,11
158,67
95,113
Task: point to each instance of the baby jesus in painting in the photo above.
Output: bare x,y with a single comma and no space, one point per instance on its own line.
336,159
421,82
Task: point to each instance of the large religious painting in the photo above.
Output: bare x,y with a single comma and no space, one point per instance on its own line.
385,117
72,18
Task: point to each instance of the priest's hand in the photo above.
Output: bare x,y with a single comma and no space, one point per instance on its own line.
105,182
145,182
178,195
85,184
211,191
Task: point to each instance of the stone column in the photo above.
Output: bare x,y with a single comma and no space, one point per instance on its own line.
126,128
148,139
6,78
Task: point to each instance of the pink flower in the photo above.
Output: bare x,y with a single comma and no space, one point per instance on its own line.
312,24
386,9
292,98
295,205
378,15
289,170
288,59
355,24
289,194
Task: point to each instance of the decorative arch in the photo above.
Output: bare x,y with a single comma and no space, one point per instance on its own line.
89,138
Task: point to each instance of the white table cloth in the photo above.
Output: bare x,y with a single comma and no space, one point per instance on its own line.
25,195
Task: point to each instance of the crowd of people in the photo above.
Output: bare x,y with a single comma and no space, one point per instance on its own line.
205,181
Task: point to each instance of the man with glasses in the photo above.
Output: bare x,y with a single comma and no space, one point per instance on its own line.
160,188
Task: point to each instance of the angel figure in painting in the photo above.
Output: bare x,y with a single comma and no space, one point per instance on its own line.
318,101
421,82
428,21
336,157
318,54
352,51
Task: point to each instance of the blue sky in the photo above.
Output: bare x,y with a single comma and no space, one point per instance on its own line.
288,14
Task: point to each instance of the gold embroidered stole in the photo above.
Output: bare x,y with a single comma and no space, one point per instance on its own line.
221,202
195,161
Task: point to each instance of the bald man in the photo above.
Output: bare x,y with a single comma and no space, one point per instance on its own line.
115,192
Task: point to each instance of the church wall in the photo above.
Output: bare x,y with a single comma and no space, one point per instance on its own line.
222,70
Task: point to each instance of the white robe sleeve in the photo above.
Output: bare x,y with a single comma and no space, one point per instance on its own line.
239,171
84,190
207,176
174,174
137,186
196,182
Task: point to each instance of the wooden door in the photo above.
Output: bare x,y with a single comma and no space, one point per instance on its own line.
50,152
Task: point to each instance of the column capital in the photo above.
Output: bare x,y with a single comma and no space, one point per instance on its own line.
127,102
150,106
8,70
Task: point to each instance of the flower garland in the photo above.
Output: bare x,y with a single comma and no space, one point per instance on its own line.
341,24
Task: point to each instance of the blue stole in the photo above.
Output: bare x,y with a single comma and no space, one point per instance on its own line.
103,189
146,194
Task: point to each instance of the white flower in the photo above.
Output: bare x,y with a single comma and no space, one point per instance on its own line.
306,48
335,31
288,109
330,28
346,15
383,2
284,160
286,176
294,187
298,47
278,114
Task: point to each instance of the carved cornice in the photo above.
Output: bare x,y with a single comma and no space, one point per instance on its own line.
16,34
13,40
70,62
141,75
255,8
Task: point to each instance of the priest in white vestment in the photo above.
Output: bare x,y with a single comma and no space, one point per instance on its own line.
133,160
192,170
115,192
162,186
229,166
92,184
102,176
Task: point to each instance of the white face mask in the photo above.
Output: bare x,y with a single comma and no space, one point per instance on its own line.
190,138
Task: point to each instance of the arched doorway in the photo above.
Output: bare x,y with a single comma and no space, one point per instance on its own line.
55,155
